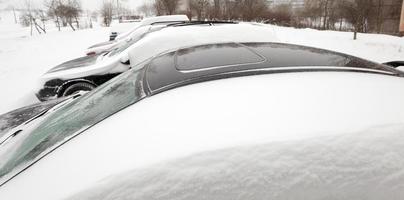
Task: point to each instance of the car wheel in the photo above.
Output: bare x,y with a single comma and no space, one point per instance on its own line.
77,87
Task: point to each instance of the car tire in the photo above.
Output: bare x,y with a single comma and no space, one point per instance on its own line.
82,86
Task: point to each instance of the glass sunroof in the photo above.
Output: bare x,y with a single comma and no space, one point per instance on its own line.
205,57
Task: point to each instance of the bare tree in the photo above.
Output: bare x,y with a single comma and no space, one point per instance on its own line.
280,14
253,9
106,12
200,8
167,7
147,9
357,12
65,12
53,10
216,12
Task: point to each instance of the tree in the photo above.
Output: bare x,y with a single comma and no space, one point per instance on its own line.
106,12
357,12
146,9
216,11
65,12
199,7
167,7
280,14
252,9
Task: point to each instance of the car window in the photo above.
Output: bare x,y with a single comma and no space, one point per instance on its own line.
206,56
63,124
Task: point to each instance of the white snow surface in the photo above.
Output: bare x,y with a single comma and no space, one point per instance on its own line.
366,165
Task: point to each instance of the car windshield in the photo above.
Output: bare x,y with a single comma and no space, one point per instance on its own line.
40,138
133,38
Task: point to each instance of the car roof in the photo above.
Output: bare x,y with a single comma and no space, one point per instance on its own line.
221,60
178,36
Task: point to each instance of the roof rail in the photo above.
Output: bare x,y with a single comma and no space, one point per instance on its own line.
202,22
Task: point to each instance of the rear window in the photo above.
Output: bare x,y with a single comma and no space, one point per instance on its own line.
205,57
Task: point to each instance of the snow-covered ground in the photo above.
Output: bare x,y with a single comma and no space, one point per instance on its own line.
23,58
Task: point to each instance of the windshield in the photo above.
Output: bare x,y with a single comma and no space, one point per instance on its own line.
41,138
133,38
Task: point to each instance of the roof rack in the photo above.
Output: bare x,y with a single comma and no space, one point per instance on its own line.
201,22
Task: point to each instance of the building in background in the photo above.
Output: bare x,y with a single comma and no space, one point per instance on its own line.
294,3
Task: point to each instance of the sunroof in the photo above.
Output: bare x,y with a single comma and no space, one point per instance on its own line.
210,56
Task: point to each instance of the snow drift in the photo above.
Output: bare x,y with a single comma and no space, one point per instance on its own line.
366,165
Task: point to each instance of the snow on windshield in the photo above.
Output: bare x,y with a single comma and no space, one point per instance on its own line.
365,165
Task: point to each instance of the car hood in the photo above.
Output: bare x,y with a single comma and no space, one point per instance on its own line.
76,63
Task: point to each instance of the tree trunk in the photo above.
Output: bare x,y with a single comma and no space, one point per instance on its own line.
71,25
325,14
379,16
58,22
30,23
15,16
36,26
77,23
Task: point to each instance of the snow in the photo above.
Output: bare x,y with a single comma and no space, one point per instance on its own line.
24,58
366,165
271,109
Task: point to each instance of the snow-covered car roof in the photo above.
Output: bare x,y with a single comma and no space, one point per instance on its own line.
365,164
181,36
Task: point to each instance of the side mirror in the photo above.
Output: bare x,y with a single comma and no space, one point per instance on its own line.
125,59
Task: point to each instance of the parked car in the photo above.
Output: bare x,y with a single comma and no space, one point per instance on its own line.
213,96
86,73
119,36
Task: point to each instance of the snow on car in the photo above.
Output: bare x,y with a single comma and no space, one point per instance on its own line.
86,73
214,96
315,169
